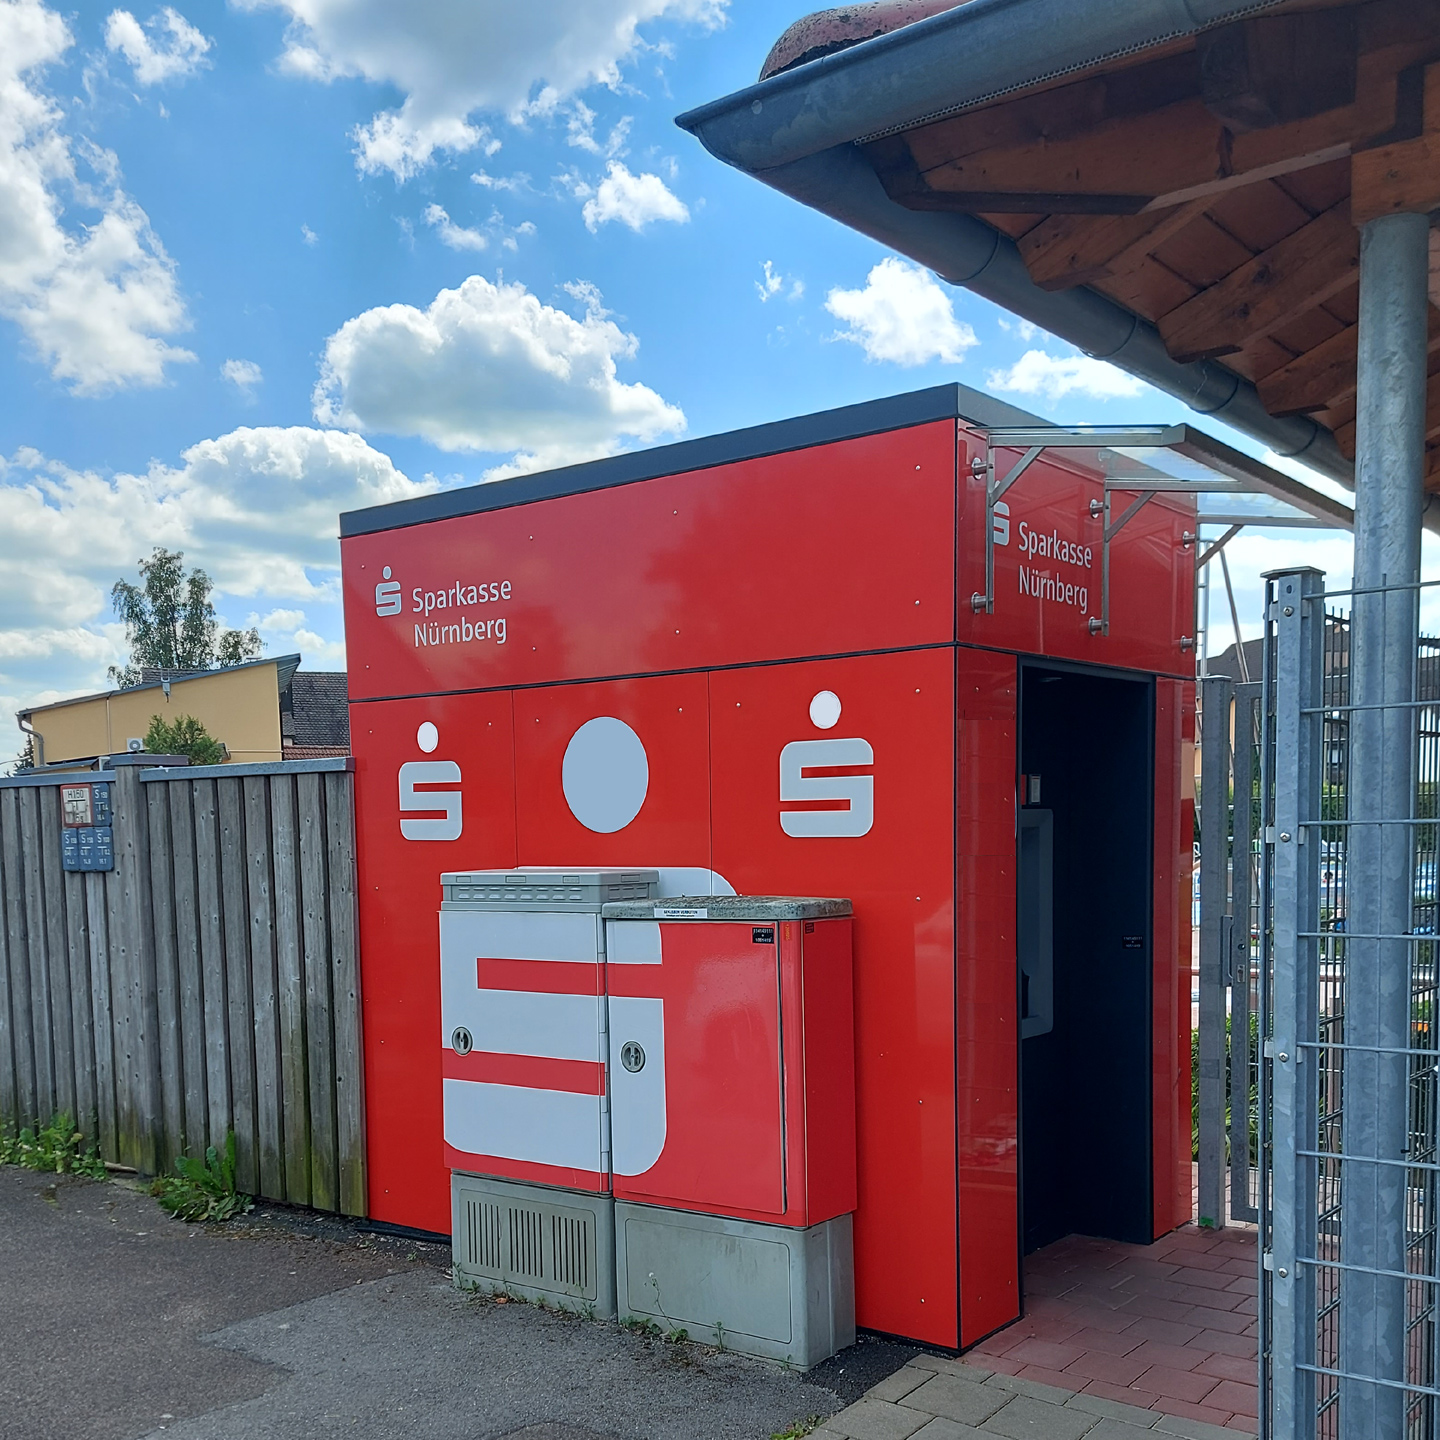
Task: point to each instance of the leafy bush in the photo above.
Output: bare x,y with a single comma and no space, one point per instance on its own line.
1252,1102
203,1189
184,735
54,1148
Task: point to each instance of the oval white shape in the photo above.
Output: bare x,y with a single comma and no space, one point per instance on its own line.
825,710
427,737
605,775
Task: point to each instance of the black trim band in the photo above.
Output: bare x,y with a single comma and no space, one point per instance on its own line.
849,422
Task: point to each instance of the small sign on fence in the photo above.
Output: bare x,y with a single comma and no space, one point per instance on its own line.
86,837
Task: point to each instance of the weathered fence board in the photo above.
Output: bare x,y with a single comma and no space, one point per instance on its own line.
345,990
167,972
269,1115
82,1014
27,1095
319,1026
41,996
290,990
106,1123
211,944
241,1030
9,1087
208,983
188,965
57,957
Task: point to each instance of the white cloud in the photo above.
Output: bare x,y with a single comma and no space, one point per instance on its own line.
489,368
451,60
902,315
285,621
634,200
93,299
457,237
256,508
317,650
774,283
286,631
244,375
308,235
1038,373
581,125
515,183
1027,330
403,145
171,50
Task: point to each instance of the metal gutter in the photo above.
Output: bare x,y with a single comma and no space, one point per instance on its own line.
936,66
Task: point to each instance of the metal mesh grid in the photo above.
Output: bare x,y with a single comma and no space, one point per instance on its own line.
1307,1374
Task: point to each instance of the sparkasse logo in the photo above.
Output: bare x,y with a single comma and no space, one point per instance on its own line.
387,595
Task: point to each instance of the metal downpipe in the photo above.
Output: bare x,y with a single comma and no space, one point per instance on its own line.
1389,496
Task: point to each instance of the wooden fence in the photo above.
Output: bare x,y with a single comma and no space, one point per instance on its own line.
208,982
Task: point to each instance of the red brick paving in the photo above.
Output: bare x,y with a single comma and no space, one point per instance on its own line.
1167,1327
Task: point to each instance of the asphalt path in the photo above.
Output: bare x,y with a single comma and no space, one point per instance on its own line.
117,1321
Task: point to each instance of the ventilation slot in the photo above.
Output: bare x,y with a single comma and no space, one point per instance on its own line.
482,1235
527,1230
570,1246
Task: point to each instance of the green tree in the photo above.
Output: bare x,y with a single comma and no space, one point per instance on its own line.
170,623
184,735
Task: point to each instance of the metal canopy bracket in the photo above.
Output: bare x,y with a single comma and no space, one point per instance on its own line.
1244,476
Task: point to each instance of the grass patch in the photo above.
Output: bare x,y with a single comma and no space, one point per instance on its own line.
799,1429
55,1148
203,1189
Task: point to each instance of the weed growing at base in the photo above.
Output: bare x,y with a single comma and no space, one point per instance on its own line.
54,1148
799,1429
203,1189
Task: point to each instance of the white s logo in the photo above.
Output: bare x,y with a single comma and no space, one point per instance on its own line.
387,595
430,772
1002,523
857,790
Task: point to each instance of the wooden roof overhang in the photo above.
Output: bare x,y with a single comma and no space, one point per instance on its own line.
1214,186
1210,182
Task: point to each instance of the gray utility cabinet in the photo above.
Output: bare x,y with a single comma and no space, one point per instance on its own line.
765,1290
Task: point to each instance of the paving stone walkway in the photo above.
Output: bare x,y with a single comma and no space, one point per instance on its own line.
1169,1326
934,1398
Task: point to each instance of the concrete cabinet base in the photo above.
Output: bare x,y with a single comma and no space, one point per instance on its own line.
762,1290
556,1246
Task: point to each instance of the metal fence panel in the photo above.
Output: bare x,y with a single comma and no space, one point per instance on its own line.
1350,1128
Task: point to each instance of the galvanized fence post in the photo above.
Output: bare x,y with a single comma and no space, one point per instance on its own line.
1244,1058
1296,614
1216,695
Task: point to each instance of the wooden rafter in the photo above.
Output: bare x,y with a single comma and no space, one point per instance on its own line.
1068,250
1302,271
1166,130
1214,187
1318,378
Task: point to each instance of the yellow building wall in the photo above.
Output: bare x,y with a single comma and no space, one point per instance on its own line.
239,707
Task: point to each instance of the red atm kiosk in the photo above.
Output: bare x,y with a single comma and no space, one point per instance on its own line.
817,658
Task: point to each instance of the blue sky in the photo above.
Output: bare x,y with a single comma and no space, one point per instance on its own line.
261,262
